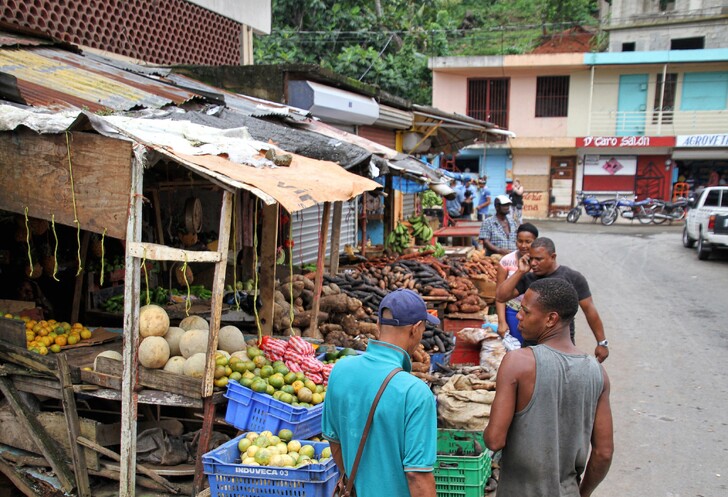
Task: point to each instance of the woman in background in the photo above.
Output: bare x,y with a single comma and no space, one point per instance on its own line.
516,196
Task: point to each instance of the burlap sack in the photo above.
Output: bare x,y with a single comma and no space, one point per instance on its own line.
464,403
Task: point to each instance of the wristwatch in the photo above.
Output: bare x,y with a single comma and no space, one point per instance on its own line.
603,343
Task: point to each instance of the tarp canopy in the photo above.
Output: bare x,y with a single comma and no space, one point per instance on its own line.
229,157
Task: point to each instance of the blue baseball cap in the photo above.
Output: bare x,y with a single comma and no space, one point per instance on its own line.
407,307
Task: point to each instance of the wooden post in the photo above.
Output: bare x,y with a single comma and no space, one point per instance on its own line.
158,221
389,209
364,221
218,288
248,269
130,360
313,330
203,443
268,246
47,446
335,238
78,456
78,288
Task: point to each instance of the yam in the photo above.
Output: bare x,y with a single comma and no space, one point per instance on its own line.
334,303
419,367
469,308
439,292
303,319
153,321
153,352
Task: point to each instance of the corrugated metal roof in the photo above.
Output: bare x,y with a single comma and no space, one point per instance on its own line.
55,78
14,40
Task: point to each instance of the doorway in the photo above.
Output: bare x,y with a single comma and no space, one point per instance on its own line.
561,184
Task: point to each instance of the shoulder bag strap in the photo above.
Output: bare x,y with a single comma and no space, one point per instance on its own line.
350,483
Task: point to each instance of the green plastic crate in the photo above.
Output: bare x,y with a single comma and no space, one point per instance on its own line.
459,472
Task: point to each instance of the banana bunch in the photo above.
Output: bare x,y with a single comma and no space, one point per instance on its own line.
398,239
439,250
421,228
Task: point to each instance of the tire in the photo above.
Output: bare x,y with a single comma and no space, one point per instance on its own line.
645,216
703,248
573,215
686,240
609,216
679,214
659,210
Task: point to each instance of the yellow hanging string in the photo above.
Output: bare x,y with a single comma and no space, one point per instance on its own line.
235,259
188,302
255,272
27,241
290,273
55,249
103,253
73,198
146,276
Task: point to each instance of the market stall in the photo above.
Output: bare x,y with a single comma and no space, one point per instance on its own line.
114,208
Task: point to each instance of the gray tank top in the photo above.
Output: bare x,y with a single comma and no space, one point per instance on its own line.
548,442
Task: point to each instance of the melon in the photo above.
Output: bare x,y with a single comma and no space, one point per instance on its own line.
195,365
153,321
111,354
222,353
231,339
194,323
193,342
176,365
173,336
241,354
153,352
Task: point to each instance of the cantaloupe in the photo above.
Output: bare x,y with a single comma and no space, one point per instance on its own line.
153,321
176,365
222,353
195,365
194,323
111,354
241,354
231,339
173,336
193,342
153,352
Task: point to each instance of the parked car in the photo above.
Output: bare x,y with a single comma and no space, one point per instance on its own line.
707,221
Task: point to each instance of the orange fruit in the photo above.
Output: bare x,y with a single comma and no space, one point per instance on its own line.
85,334
73,339
61,340
55,348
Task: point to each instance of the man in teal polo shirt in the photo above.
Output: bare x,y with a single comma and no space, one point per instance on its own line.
400,452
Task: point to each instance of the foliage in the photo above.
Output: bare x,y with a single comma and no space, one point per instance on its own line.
388,43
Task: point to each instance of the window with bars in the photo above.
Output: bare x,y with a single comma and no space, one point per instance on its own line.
488,100
668,99
552,96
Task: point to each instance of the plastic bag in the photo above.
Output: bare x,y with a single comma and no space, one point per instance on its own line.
510,342
492,352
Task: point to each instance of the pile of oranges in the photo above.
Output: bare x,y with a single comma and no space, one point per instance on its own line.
49,336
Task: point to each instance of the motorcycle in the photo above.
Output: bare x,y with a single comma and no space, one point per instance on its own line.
672,211
628,209
591,205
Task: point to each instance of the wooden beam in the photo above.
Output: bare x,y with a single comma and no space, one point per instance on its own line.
158,226
101,178
313,330
268,246
335,238
78,457
389,214
20,482
203,444
114,456
218,288
154,252
78,287
130,360
46,445
249,269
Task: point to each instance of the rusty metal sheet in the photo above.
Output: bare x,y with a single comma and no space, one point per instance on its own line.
12,40
57,79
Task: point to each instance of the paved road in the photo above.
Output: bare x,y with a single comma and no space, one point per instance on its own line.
665,317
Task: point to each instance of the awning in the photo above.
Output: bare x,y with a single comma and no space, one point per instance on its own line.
227,157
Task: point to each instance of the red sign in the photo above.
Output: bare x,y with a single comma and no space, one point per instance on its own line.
624,141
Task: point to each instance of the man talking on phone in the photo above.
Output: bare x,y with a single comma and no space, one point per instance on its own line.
541,263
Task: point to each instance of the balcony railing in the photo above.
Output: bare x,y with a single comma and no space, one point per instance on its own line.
649,123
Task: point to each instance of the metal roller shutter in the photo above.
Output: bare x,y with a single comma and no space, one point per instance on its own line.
408,204
306,231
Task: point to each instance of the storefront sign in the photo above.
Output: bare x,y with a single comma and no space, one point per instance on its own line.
611,165
535,205
717,140
625,141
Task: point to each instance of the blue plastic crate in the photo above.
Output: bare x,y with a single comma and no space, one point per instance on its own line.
440,359
228,477
253,411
